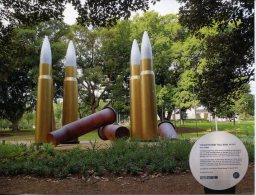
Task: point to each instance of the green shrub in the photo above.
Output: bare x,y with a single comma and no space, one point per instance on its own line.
121,157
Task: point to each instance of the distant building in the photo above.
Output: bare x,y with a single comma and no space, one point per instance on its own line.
200,113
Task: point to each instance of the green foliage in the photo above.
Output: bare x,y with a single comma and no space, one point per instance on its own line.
244,106
223,66
120,158
18,80
96,13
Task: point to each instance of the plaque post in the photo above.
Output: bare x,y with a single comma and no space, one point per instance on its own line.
231,190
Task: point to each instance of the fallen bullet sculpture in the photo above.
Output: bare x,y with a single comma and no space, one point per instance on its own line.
82,126
113,132
167,130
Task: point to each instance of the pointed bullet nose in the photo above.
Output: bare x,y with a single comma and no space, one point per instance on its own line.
135,53
71,55
146,49
46,53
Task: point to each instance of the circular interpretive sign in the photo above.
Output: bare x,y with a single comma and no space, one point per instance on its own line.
218,160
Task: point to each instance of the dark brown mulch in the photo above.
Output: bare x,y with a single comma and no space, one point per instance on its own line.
178,183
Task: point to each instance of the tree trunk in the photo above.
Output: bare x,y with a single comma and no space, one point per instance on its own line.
159,112
15,126
169,115
180,117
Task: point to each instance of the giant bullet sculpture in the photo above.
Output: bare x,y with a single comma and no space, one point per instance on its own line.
167,130
70,97
113,132
82,126
44,94
135,93
148,92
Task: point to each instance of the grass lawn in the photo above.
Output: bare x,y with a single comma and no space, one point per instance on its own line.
29,136
242,129
90,136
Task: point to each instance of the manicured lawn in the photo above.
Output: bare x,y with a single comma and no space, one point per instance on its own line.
90,136
23,135
242,129
29,136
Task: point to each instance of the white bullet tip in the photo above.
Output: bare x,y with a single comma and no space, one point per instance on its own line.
46,53
135,53
71,55
146,49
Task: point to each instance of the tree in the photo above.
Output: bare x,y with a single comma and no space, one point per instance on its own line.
30,13
107,13
225,66
165,101
18,83
91,12
244,106
116,47
164,32
103,59
91,80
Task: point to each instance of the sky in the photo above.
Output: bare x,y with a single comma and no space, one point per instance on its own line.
163,7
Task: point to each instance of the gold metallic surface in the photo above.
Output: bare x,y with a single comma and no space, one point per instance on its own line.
44,104
45,69
146,72
135,77
135,69
53,117
70,71
70,97
135,101
148,102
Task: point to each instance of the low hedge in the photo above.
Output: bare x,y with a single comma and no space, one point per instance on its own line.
121,157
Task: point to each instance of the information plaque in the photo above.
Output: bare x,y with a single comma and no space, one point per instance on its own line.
218,160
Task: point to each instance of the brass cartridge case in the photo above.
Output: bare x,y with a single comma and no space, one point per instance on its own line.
135,103
44,104
70,99
148,101
53,117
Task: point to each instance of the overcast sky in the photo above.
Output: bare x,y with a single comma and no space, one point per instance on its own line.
163,7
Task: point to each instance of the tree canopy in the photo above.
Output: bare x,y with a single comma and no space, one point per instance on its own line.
90,12
225,30
19,76
204,55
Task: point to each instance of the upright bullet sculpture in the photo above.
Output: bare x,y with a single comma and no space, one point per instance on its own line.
44,94
135,93
148,92
70,97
